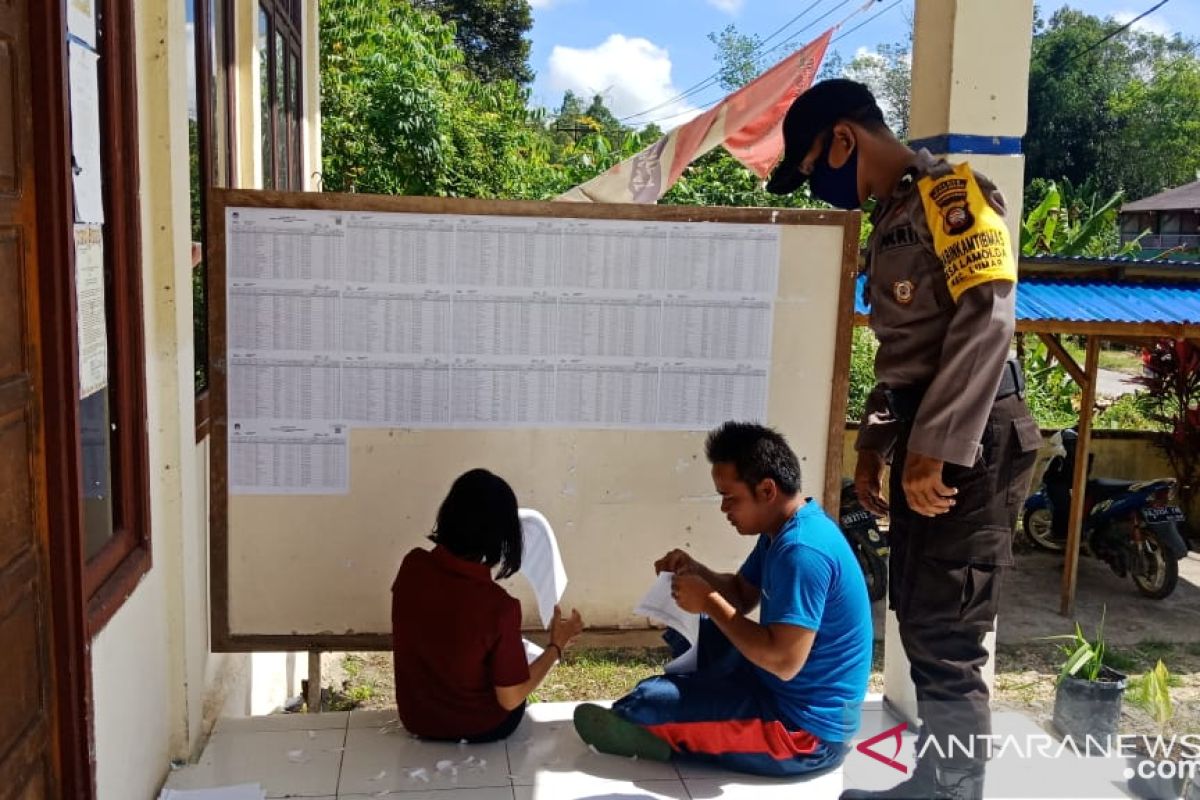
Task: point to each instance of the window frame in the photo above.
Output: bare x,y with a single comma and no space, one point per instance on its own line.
110,577
285,22
206,119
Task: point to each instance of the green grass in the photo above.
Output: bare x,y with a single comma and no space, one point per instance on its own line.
600,674
1126,361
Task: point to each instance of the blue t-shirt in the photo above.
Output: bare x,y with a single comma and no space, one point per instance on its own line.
808,576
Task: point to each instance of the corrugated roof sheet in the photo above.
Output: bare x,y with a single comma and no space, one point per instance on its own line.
1083,300
1184,197
1112,261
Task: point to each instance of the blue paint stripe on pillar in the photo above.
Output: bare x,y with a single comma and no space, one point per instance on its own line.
969,143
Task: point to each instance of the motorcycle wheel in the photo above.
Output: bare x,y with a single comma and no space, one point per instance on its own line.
874,569
1154,570
1039,527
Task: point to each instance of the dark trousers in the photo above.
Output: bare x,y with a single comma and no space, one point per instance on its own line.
946,573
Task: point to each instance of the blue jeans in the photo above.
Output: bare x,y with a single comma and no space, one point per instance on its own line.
721,714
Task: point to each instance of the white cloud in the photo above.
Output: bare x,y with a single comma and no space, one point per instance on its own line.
728,6
1151,24
633,75
541,3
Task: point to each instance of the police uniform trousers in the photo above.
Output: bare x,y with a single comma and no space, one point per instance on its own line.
946,571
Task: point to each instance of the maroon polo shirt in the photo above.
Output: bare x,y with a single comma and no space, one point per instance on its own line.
456,636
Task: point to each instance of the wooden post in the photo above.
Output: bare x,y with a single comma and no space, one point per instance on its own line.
314,681
1079,479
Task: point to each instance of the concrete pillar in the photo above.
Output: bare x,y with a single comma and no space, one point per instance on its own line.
970,90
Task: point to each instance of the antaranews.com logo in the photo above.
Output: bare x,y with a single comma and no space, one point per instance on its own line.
1030,763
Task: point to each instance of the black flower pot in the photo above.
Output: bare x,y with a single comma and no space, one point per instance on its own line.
1156,787
1089,708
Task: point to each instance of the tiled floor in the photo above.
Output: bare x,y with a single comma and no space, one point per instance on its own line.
364,755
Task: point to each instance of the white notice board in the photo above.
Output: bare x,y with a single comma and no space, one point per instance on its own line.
366,350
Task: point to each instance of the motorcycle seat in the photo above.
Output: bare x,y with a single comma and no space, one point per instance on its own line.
1104,488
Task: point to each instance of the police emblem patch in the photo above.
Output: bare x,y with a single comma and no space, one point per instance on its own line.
903,292
957,218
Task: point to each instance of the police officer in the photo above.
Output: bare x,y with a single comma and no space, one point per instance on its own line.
948,412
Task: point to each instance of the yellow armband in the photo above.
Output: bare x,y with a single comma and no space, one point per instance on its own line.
969,237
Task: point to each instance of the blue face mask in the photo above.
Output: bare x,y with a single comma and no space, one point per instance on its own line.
838,187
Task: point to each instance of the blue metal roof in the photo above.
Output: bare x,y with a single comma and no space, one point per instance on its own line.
1109,261
1098,300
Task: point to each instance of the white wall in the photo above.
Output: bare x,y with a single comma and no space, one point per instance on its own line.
157,688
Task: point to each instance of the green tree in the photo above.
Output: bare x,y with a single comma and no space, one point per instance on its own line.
492,35
1122,114
401,114
739,57
888,73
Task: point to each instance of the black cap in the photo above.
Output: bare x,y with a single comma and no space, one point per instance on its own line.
811,114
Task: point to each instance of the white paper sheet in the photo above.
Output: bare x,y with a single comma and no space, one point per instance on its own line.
91,318
658,605
242,791
274,457
81,20
464,321
541,562
532,651
85,135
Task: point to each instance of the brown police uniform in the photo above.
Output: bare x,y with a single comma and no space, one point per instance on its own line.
941,285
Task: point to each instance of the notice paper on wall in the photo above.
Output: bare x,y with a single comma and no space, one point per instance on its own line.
85,135
298,457
91,316
458,321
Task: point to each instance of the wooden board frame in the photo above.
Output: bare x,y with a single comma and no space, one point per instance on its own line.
223,640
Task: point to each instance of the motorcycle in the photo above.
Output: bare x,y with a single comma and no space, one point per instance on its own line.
869,544
1131,525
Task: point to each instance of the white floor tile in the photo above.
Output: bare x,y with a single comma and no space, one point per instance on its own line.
537,748
375,718
826,786
484,793
282,722
287,763
379,761
575,786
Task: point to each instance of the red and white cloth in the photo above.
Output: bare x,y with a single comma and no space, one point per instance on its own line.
748,123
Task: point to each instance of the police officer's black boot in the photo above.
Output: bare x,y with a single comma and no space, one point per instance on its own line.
920,785
958,781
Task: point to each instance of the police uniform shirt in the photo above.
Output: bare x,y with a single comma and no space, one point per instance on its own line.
941,286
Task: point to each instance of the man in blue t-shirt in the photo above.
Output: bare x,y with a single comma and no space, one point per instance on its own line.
781,696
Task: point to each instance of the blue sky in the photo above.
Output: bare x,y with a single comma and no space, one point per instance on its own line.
642,53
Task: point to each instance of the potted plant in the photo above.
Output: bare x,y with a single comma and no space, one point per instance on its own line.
1151,693
1087,697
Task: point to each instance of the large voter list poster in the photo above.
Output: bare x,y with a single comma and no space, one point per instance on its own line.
337,320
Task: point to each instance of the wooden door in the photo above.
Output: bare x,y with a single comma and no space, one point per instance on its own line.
28,762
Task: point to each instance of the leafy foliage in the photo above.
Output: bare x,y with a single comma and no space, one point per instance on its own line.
1123,114
739,57
862,371
888,73
1050,391
402,115
1067,222
1152,693
1172,381
1084,658
491,35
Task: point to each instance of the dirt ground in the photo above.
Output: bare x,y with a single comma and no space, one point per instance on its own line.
1139,631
